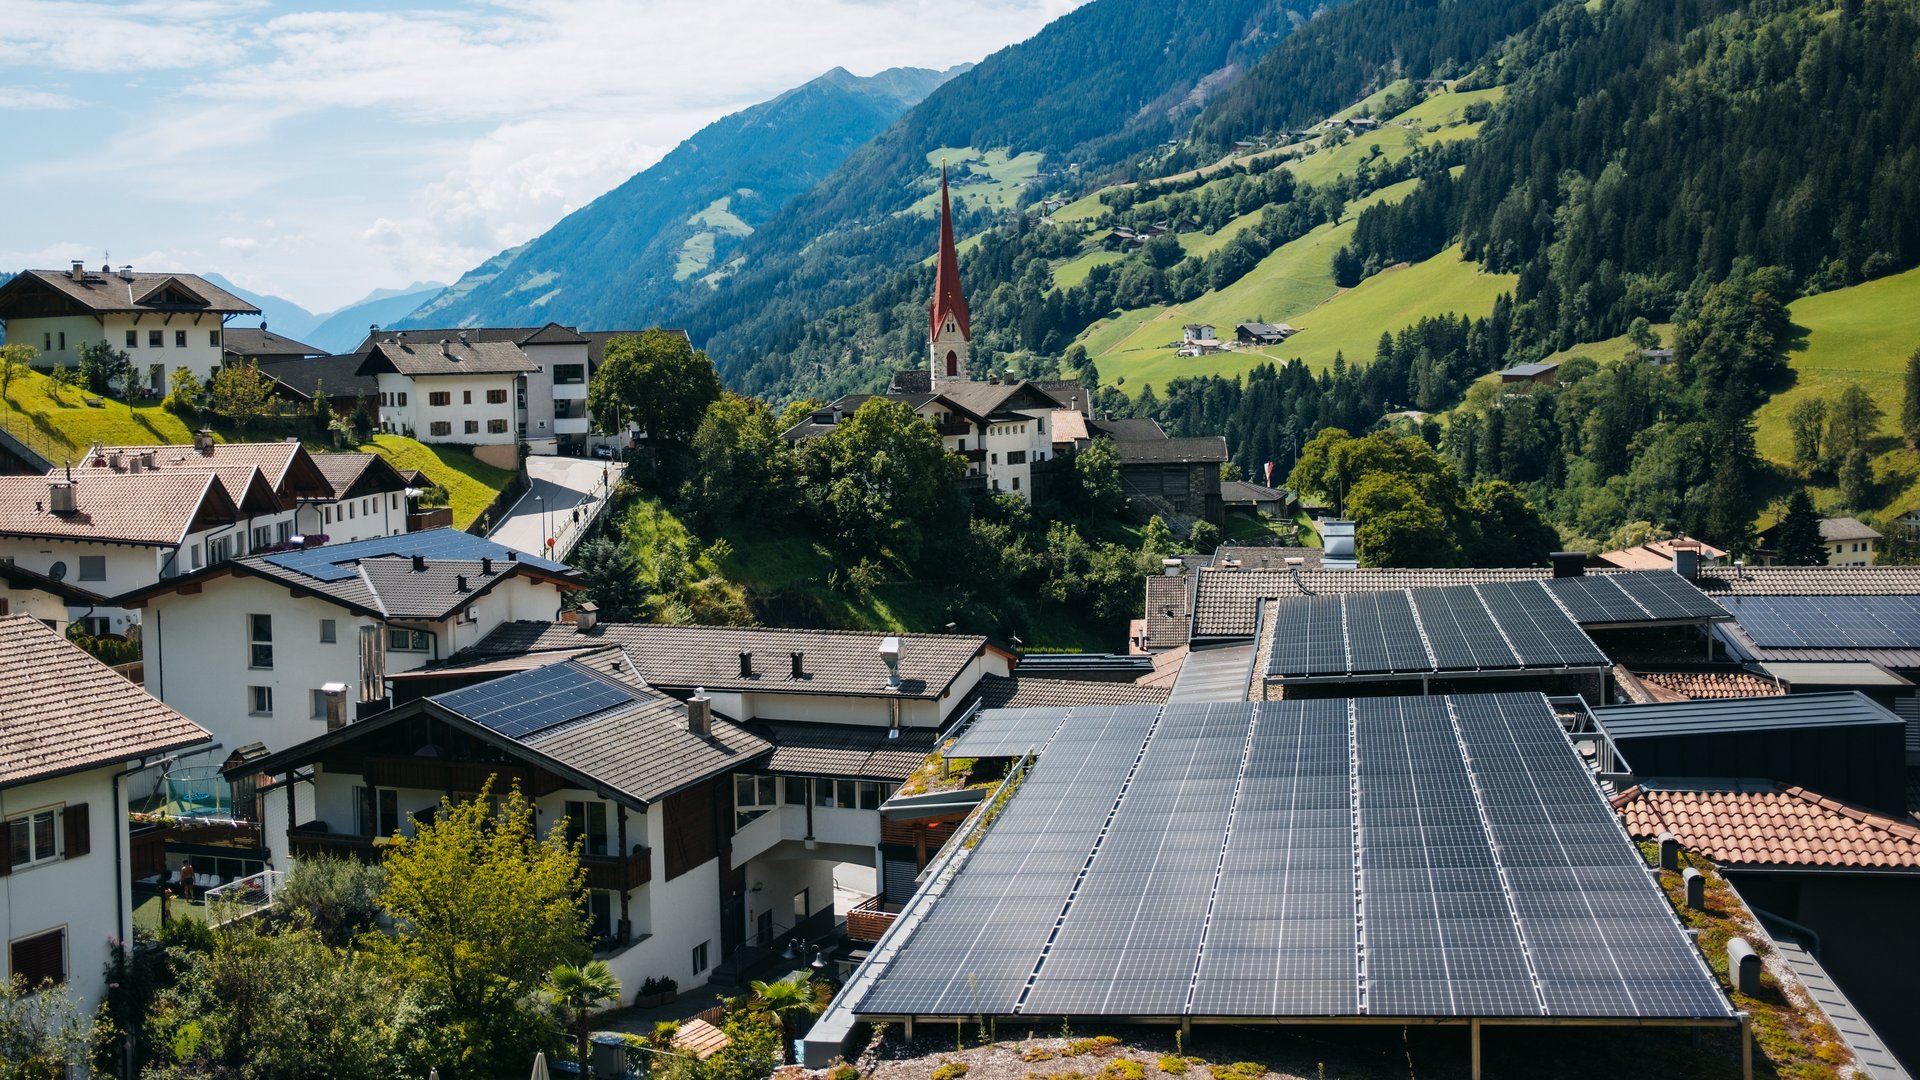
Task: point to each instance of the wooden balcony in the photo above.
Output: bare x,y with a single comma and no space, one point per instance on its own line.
617,873
870,918
459,777
976,455
954,428
308,841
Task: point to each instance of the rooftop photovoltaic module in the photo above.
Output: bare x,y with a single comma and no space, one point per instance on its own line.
1390,857
1836,622
530,702
1457,628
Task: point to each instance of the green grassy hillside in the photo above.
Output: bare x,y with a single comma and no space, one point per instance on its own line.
471,484
1864,335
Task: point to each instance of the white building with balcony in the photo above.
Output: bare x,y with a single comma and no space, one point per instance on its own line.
71,733
454,390
162,321
277,648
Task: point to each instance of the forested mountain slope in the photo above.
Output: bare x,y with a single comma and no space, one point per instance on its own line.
611,263
1093,87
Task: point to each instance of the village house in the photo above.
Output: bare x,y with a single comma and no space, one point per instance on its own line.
257,345
110,532
1258,333
371,499
162,321
450,390
270,481
1659,554
23,592
338,377
1848,542
1537,374
279,647
72,732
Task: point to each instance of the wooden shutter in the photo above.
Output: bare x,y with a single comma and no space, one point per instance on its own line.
79,839
40,959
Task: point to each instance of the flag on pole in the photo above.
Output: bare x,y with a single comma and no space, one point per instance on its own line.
1269,474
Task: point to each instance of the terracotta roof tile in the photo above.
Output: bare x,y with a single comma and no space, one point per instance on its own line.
1764,825
1167,612
1698,685
133,508
61,710
1810,580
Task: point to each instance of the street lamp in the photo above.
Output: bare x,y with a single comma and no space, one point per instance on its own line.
542,500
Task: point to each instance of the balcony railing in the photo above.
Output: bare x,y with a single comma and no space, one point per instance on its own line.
976,454
439,774
869,919
309,840
954,427
619,873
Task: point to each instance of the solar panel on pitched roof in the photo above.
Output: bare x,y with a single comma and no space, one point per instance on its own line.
1857,622
1597,599
1540,632
1309,637
325,563
532,701
1382,637
1668,596
1007,732
1462,635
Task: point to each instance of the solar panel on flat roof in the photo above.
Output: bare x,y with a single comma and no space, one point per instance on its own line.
1854,622
1478,873
532,701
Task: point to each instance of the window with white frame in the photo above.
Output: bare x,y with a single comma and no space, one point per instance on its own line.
260,701
262,536
752,797
400,639
700,957
33,838
260,641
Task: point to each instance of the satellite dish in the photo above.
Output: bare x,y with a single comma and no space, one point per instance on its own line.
58,571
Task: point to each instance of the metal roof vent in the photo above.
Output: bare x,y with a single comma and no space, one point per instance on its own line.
419,563
890,655
60,497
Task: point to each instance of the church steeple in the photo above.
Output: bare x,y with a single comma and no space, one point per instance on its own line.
947,331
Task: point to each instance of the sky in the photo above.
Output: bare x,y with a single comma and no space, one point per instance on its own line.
320,151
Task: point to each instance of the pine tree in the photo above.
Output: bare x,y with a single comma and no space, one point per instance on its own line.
1856,480
1798,538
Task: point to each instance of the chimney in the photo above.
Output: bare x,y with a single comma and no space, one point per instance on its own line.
799,667
1295,561
419,564
460,583
79,271
203,440
585,617
700,713
746,665
890,655
126,273
115,461
1171,567
513,556
463,337
60,496
1568,563
486,565
336,695
152,458
134,461
1686,560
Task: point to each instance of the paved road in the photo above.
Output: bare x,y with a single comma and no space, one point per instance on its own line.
564,494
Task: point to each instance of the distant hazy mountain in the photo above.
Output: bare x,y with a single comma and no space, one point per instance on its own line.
281,315
342,330
611,263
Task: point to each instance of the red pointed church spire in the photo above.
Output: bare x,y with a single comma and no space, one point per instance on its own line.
947,298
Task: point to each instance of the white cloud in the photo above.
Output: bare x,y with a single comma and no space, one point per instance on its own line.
243,246
20,98
402,144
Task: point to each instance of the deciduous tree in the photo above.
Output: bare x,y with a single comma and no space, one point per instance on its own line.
41,1031
240,393
1807,423
1910,403
656,380
15,359
878,479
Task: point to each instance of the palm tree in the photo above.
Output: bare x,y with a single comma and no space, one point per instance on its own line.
784,999
577,992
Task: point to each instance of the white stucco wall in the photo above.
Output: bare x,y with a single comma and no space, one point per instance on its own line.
81,893
362,518
201,352
417,417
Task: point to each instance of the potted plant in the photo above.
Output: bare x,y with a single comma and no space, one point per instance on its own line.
655,992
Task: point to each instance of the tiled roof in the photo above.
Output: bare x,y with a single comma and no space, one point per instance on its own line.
378,576
1124,431
1202,449
1846,528
258,343
1699,685
1761,824
838,662
1264,558
1245,491
1069,425
998,693
1657,554
597,340
646,750
103,292
61,710
1810,580
844,750
1225,601
1167,612
422,357
233,461
152,508
355,474
339,376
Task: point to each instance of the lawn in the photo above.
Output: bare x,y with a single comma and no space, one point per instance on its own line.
62,429
471,484
1007,175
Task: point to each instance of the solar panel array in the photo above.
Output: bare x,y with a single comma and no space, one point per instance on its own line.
1853,622
529,702
1006,732
1493,626
1382,857
333,562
